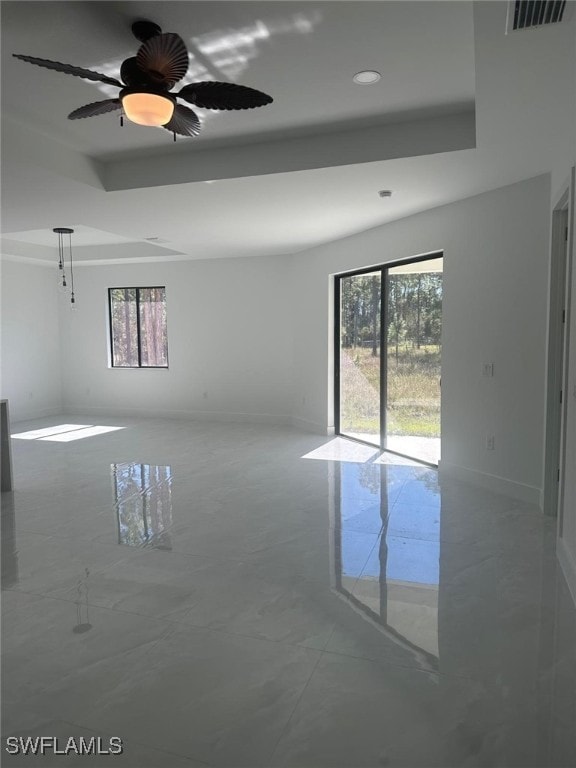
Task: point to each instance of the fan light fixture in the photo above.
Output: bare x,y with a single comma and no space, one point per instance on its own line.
147,79
148,108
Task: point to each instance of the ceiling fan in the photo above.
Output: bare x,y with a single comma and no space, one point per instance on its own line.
148,78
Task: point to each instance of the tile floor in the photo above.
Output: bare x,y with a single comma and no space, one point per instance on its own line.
237,595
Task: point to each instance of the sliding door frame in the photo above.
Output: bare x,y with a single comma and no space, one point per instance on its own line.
382,268
337,316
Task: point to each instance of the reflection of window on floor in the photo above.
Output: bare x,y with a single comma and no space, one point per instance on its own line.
65,433
387,552
143,503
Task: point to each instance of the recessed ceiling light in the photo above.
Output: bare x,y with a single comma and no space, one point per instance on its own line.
367,77
385,193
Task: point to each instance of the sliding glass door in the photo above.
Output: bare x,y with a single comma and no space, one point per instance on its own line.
388,356
359,358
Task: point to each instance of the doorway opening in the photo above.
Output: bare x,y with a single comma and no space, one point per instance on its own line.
388,336
557,360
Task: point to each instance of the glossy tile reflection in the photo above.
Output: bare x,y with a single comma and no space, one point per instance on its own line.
143,504
395,583
226,601
9,546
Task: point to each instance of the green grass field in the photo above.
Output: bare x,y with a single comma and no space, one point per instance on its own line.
413,391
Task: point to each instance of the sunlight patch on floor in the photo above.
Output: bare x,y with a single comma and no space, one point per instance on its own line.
65,433
340,449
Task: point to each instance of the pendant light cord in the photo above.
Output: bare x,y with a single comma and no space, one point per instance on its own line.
61,255
61,231
71,267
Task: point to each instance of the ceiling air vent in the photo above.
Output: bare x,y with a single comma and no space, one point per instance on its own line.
527,14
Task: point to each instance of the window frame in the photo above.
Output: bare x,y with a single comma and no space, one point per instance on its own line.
137,289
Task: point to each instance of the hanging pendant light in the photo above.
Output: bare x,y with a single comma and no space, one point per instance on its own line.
61,271
61,232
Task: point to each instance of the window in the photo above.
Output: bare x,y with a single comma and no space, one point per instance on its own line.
138,336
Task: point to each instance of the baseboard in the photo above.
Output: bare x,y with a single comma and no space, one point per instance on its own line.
568,564
43,413
157,413
502,485
308,426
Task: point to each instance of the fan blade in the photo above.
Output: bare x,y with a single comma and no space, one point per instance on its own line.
164,57
95,108
184,121
68,69
223,96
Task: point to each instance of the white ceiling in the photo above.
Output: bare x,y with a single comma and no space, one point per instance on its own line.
82,236
434,61
303,53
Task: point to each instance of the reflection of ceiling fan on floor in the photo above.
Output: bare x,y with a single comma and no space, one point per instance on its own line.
147,79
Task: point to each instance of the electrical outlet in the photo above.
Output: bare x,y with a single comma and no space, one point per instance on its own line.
488,369
490,442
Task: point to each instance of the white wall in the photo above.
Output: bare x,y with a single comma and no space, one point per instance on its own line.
30,340
229,341
251,338
525,79
495,301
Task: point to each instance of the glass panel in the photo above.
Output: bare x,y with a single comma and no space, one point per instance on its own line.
414,330
124,327
154,341
360,356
